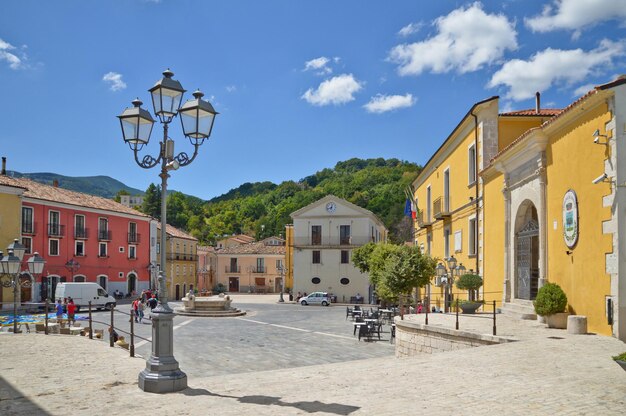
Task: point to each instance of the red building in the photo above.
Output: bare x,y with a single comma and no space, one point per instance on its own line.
84,238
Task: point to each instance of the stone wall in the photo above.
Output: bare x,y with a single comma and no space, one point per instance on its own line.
413,338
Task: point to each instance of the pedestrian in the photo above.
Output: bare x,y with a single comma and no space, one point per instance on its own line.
71,311
152,302
113,334
299,296
134,308
140,308
59,310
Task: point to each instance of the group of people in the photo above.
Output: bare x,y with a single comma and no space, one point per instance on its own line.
300,295
139,305
61,306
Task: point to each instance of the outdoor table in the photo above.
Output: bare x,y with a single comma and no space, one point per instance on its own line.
356,325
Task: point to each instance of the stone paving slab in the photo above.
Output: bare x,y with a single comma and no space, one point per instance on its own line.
63,375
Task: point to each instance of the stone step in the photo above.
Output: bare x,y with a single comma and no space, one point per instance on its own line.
520,310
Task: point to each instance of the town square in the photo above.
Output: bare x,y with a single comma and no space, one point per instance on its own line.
294,208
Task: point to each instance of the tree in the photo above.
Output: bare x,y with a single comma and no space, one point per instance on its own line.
118,195
152,201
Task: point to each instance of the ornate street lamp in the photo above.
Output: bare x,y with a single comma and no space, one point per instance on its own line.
281,270
162,374
10,266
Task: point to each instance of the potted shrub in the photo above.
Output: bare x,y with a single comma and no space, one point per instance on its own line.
621,360
550,303
471,283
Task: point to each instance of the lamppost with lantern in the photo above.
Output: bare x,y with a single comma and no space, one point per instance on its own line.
11,265
281,271
446,276
162,374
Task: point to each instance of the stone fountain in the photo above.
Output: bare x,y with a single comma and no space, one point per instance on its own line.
208,306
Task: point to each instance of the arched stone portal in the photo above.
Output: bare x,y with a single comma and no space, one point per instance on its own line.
526,252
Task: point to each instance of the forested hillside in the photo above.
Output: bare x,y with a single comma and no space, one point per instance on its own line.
262,209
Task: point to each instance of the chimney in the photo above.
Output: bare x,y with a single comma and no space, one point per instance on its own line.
537,102
55,183
4,166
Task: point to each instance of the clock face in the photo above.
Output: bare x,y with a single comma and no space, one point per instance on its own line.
331,207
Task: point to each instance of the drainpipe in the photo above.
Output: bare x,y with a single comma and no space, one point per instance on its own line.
476,190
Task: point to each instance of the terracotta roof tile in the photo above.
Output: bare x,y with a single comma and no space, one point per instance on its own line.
531,112
175,232
253,248
36,190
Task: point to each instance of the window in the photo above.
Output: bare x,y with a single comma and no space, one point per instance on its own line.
429,240
27,220
317,257
344,281
473,233
260,265
79,250
177,270
446,190
344,234
428,204
103,229
132,252
53,247
471,163
132,232
458,241
316,235
27,242
316,280
79,226
446,242
121,249
345,256
102,249
158,248
184,270
279,264
54,223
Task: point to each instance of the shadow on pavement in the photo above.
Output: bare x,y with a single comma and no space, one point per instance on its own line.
309,407
13,402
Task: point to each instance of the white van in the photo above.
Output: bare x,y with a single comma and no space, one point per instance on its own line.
82,293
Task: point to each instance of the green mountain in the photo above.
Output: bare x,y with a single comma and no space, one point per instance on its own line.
103,186
263,209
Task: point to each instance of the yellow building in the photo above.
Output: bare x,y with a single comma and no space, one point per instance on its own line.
182,261
533,196
10,227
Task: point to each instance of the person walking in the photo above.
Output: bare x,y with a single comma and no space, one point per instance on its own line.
152,302
140,308
135,308
71,312
59,310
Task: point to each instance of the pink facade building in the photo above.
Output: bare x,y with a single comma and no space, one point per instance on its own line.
84,238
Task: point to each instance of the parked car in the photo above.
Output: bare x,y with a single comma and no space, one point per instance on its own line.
84,292
316,298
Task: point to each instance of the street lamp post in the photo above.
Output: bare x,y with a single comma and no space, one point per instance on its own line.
162,374
446,276
11,267
281,271
72,266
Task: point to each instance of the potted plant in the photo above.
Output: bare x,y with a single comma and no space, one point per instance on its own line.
471,283
550,303
621,360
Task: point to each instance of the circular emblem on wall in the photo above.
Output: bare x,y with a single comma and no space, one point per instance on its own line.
570,218
331,207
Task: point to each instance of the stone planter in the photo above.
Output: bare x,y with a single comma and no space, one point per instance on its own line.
557,320
470,307
621,364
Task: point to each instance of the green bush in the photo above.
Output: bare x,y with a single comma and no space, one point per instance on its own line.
219,288
550,300
621,357
469,282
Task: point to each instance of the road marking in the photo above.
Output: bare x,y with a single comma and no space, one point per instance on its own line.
296,329
144,342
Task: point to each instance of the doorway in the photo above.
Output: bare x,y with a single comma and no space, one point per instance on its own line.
26,288
527,253
132,283
233,284
102,281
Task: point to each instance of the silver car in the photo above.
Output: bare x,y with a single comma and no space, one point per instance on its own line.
316,298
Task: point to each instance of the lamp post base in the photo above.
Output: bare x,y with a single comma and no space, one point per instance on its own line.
162,374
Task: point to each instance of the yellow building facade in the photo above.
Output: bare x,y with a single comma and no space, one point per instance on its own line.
10,227
533,196
182,261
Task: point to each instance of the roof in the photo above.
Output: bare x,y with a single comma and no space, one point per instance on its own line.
36,190
175,232
253,248
544,112
331,197
239,238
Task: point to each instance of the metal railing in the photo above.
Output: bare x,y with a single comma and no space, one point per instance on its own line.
56,230
134,238
29,227
81,232
104,235
333,241
231,269
262,269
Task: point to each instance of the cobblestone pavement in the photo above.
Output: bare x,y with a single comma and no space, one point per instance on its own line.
567,374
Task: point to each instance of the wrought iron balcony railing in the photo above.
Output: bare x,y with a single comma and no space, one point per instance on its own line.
56,230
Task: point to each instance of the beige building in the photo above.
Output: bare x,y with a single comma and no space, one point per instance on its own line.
182,261
252,267
323,237
207,267
233,241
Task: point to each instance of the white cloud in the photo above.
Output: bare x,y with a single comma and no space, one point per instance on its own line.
319,64
337,90
553,66
231,88
576,14
383,103
410,29
115,81
467,39
11,58
582,90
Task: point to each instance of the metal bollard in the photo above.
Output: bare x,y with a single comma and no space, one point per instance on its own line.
457,315
494,317
46,313
132,333
111,342
90,323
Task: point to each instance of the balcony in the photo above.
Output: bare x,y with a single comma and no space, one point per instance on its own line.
262,269
81,233
29,227
182,257
333,241
134,238
56,230
104,235
233,269
439,210
420,221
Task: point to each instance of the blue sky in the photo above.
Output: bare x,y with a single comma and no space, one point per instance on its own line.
299,85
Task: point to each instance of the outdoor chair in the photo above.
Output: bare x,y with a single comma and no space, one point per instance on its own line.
349,312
